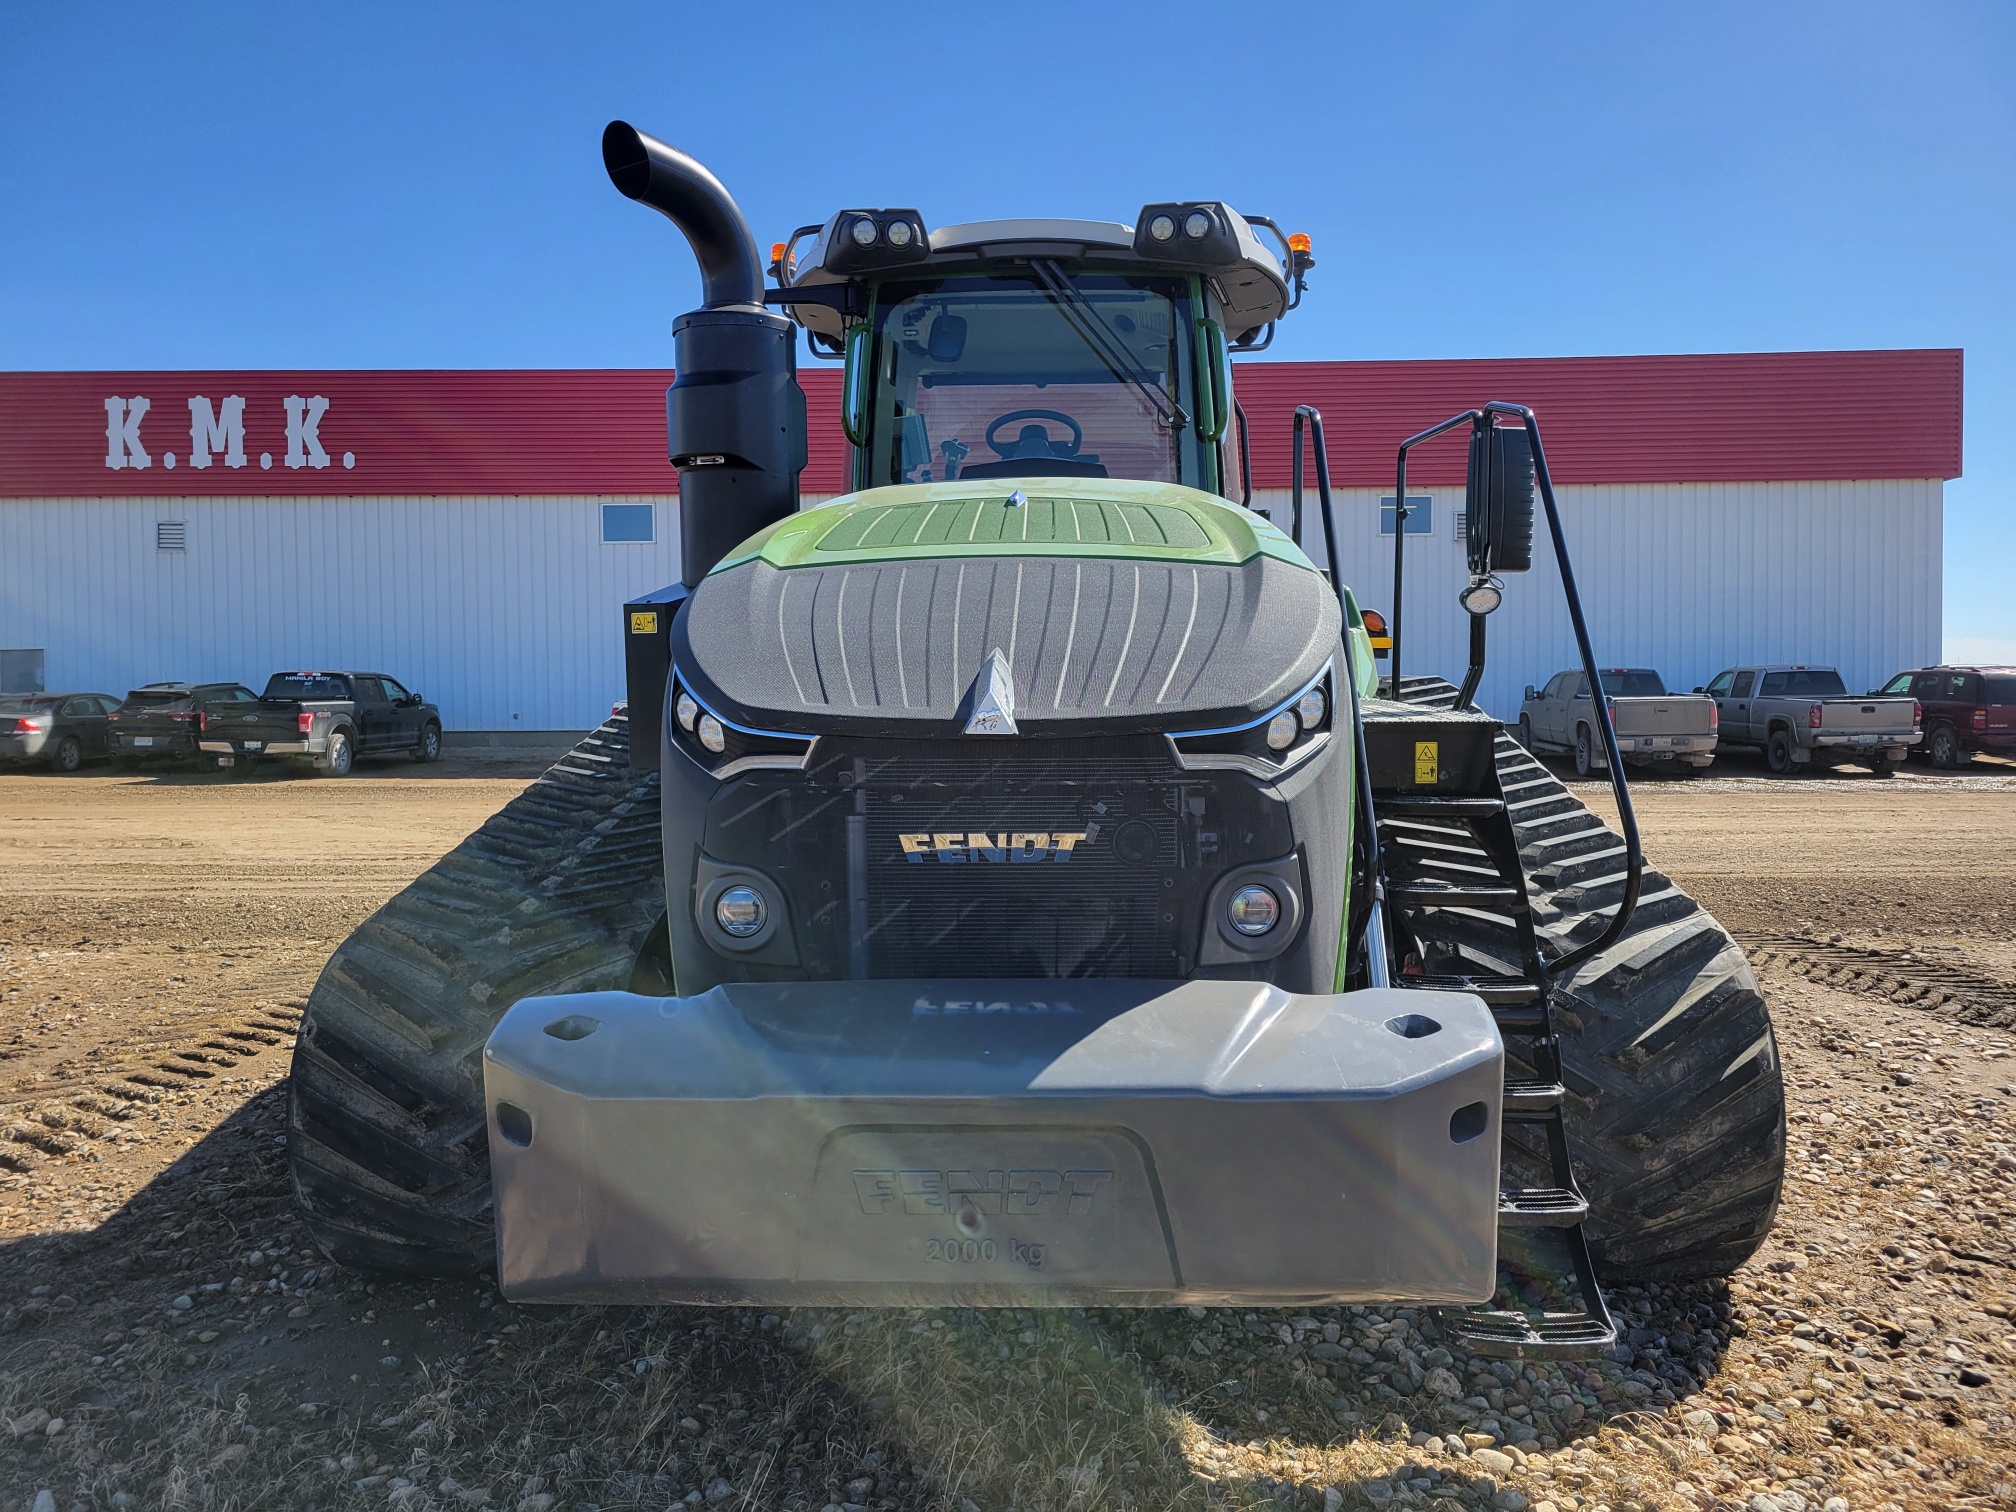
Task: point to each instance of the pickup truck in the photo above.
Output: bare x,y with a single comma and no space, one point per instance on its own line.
1803,716
1967,709
328,720
1652,725
166,721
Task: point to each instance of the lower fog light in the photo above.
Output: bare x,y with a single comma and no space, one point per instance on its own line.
712,735
1254,910
1281,731
741,911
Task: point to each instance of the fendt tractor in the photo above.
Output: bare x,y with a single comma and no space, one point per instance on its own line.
1015,882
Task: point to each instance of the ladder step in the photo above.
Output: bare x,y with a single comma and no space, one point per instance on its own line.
1532,1101
1453,894
1514,1335
1499,992
1426,806
1541,1207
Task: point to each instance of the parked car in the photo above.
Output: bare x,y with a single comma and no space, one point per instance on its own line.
163,721
328,720
1652,725
1966,709
1800,716
63,729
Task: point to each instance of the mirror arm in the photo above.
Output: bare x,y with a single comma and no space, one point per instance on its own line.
1468,417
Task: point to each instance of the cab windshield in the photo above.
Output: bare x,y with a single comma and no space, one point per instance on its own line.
1004,377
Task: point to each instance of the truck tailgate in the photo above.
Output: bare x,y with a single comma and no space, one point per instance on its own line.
1866,716
1677,715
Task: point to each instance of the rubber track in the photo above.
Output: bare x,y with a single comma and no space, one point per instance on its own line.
1676,1100
556,892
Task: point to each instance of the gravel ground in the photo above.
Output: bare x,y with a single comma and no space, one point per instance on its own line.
169,1338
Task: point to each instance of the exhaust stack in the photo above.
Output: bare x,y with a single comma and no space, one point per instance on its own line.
734,416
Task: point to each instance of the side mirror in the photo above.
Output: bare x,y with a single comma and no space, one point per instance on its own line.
854,385
1529,693
1498,500
1700,690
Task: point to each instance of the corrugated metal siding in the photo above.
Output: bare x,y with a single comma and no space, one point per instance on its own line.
1793,415
1685,577
1712,418
504,611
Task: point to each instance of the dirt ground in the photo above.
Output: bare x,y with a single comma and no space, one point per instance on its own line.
169,1337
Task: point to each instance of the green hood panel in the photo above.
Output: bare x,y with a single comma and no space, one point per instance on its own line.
1065,517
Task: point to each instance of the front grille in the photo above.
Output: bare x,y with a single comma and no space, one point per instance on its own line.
955,900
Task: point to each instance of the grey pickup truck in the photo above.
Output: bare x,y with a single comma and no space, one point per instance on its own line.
1654,727
327,720
1802,717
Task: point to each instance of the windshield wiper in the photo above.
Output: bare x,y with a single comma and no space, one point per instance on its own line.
1104,340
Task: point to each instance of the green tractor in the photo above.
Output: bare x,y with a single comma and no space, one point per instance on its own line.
1014,882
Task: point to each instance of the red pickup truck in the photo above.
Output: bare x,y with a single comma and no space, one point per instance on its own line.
1967,709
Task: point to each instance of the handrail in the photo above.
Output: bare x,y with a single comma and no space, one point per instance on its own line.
1468,417
1627,817
1311,416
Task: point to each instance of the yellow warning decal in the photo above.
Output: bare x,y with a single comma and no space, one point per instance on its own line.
1427,760
643,621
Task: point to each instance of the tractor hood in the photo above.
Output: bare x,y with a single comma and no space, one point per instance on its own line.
1115,606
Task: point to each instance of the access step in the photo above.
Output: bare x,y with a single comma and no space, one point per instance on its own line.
1532,1101
1541,1207
1499,992
1515,1335
1432,894
1427,806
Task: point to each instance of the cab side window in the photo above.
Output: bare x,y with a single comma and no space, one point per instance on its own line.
1554,685
1720,686
392,690
368,690
1959,685
1745,681
1901,683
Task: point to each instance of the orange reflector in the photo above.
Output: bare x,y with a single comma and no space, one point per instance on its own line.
1299,242
1375,622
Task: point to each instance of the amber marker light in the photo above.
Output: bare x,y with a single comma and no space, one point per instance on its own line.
1299,242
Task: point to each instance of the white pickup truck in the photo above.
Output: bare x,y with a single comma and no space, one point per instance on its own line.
1652,725
1805,716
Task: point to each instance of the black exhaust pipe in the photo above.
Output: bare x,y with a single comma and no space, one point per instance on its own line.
735,416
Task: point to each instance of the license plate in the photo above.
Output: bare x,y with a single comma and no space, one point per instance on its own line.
143,740
253,745
224,761
1867,739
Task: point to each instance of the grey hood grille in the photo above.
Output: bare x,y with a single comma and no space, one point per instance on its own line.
1116,644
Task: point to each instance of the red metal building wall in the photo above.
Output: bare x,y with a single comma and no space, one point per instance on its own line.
1740,417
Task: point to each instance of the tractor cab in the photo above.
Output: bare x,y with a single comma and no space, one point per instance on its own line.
1040,348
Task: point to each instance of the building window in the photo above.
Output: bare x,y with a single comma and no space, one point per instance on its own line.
171,535
1420,514
629,524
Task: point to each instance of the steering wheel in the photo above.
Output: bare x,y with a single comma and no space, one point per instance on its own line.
1035,436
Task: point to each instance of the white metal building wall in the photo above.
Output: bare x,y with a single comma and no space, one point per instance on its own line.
1685,577
505,611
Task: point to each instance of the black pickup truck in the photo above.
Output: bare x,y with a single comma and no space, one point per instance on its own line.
327,720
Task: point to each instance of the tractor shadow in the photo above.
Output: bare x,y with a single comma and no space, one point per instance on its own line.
1035,1409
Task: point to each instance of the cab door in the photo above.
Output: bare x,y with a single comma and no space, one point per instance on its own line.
402,716
1547,710
374,714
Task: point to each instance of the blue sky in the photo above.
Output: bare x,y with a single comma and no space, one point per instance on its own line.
419,186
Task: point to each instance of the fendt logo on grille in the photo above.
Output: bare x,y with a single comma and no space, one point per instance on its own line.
1007,1193
1006,846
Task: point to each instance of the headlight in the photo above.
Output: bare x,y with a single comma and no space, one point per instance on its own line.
899,233
686,711
1281,731
712,735
1309,708
1162,227
741,911
863,232
1196,224
1254,910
